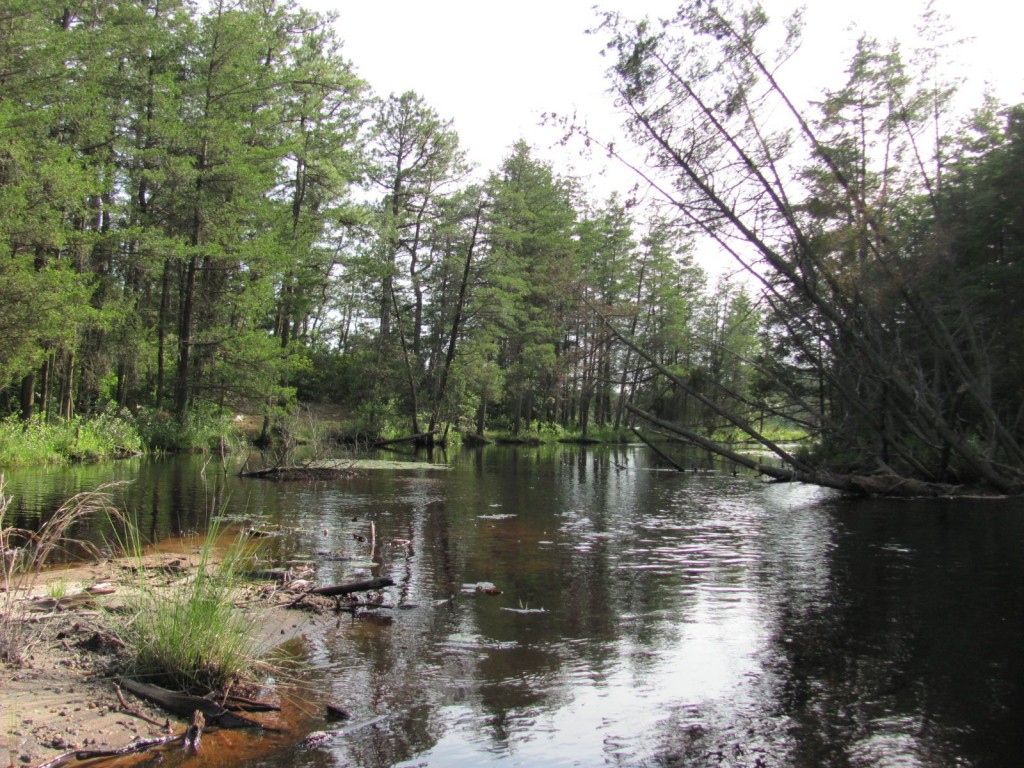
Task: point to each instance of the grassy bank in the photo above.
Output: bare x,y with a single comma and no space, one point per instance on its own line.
111,435
546,432
37,441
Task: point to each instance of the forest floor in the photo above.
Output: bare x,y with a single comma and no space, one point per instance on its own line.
63,697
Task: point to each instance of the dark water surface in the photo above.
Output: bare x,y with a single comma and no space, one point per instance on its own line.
646,618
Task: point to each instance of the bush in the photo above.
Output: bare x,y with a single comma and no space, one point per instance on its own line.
203,430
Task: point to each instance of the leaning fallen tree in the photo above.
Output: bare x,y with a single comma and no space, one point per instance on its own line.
790,468
881,484
901,362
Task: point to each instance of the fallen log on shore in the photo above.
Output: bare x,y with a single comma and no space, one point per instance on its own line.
185,705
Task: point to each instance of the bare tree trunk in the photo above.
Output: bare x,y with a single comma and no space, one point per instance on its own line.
67,408
453,335
186,318
28,395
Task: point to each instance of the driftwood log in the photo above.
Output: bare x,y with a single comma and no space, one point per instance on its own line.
340,590
299,472
185,705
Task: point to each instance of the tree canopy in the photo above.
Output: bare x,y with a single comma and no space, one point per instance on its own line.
209,208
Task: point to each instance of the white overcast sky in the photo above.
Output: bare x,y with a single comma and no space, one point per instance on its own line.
494,66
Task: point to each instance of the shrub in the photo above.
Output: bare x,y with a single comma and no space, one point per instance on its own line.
203,430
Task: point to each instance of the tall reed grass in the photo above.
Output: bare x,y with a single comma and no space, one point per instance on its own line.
190,634
25,554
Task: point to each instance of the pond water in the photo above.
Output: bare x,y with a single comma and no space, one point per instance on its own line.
645,617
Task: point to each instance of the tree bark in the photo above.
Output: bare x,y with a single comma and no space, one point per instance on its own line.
28,395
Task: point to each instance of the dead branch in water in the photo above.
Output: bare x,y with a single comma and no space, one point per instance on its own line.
300,472
92,754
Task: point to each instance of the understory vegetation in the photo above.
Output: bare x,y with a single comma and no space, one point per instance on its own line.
38,441
208,211
111,435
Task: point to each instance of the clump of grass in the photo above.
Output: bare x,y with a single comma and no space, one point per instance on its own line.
58,589
25,555
190,635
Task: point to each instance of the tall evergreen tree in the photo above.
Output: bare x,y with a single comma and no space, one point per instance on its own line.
531,233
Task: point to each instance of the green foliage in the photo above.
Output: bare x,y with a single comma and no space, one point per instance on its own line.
169,178
37,441
606,433
377,419
537,432
204,429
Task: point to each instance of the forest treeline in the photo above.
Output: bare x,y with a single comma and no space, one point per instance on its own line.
212,209
207,210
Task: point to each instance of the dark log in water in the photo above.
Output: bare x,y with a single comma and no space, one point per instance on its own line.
340,590
93,754
299,472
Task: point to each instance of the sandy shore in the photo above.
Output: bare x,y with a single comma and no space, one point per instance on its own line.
63,696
